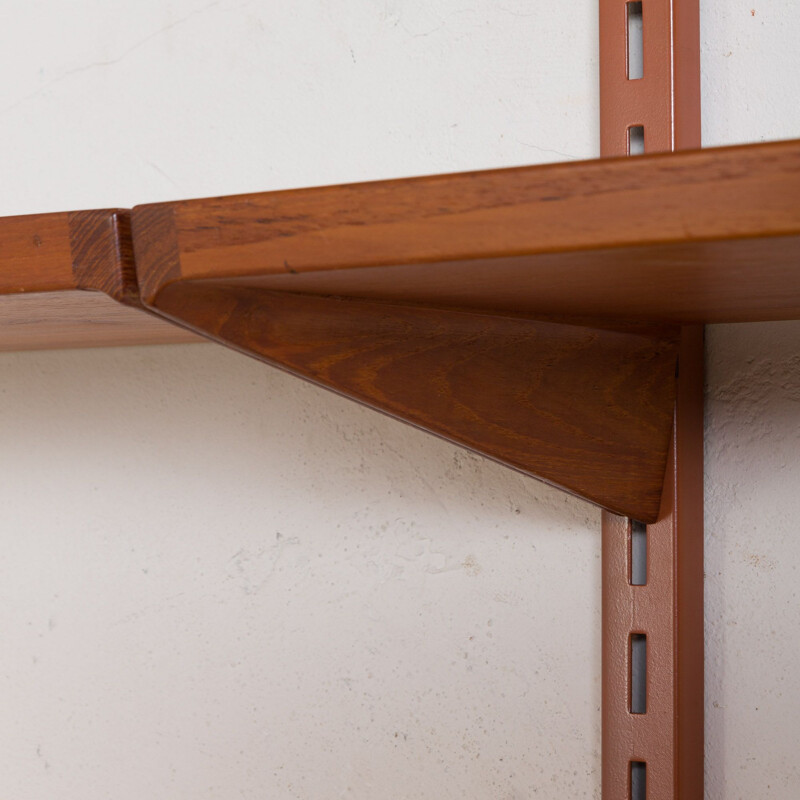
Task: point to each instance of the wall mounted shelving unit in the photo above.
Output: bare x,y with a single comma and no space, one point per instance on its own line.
536,315
548,317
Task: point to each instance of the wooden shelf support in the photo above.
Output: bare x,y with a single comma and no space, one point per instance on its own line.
586,409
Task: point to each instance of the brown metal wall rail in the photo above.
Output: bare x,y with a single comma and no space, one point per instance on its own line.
665,100
654,716
653,575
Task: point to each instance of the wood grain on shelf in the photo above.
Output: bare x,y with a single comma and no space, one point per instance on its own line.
68,280
703,236
589,411
58,320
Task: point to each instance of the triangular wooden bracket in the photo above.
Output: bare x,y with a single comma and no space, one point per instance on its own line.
587,409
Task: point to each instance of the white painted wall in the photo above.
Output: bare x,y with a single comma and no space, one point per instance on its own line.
218,581
752,561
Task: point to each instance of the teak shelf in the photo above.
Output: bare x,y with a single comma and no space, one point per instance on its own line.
704,236
531,314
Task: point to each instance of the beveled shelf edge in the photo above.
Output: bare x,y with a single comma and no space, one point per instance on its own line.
68,280
67,251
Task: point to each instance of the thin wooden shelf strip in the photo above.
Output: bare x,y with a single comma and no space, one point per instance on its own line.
68,280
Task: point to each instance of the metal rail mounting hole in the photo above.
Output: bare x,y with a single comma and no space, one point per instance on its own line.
638,673
638,780
635,39
636,140
638,553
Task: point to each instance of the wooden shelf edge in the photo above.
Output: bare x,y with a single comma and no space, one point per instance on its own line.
68,280
692,237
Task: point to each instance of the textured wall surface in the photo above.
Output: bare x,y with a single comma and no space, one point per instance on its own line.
752,561
113,103
218,581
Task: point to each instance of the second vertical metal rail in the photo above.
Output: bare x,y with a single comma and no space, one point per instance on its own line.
653,575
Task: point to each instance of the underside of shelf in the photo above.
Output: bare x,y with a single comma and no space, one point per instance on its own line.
79,318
